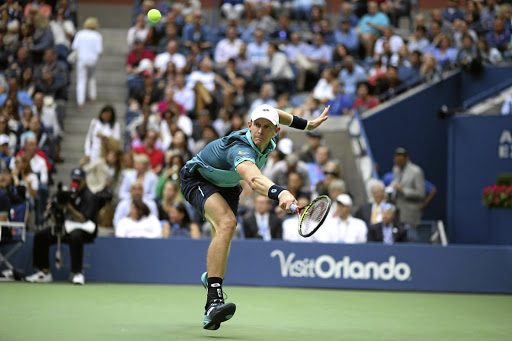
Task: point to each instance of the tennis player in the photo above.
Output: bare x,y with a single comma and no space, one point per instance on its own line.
210,183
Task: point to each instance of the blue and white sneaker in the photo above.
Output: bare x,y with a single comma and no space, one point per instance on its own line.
216,313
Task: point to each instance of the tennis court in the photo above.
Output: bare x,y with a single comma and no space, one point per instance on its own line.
126,312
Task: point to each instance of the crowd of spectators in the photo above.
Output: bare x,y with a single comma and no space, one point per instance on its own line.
190,83
35,41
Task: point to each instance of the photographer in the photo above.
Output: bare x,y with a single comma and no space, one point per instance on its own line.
75,215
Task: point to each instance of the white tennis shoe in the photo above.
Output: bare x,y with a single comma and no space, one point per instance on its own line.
78,278
40,277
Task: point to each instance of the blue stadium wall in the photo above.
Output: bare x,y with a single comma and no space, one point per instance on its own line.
413,123
408,267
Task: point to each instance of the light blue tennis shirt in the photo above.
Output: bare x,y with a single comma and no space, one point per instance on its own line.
217,162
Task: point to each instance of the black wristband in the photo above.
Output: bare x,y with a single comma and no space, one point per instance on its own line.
274,191
299,123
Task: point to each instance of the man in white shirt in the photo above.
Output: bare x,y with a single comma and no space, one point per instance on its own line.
228,47
171,54
395,42
342,228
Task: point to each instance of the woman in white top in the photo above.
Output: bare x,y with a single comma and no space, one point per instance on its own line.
105,126
23,175
140,223
88,44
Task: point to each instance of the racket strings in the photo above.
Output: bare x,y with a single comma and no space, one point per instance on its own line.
314,216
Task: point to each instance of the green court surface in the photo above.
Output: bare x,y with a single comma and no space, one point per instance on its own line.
125,312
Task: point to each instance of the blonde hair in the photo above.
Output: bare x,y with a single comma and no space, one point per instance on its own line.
91,23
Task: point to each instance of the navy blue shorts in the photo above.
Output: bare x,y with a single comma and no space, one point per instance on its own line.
197,189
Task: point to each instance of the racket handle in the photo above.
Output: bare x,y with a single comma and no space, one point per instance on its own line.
294,208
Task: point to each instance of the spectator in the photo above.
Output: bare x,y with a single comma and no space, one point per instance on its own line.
257,49
444,25
296,185
309,150
139,31
27,82
45,109
452,11
140,223
41,6
429,68
323,90
135,193
173,163
170,195
499,36
350,75
228,47
371,213
371,26
263,21
280,73
490,55
394,40
105,126
203,84
171,54
136,56
460,28
390,84
291,163
342,228
63,30
262,223
51,86
364,100
88,44
209,134
313,59
316,171
180,224
82,213
387,231
196,32
42,38
155,155
341,104
468,56
5,153
182,95
419,41
326,32
39,162
266,97
104,171
283,32
11,135
408,188
141,174
347,35
295,47
23,175
147,119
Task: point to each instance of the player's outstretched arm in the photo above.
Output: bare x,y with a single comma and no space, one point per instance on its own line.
300,123
264,186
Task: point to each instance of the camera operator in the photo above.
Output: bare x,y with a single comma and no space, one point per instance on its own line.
75,214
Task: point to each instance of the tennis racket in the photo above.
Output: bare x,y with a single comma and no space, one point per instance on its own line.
313,215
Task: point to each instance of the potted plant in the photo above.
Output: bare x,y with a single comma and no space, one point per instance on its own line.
498,199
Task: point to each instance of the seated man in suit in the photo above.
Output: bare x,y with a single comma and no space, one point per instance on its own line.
371,212
262,223
387,231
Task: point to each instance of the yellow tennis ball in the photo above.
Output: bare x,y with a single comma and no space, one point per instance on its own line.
154,15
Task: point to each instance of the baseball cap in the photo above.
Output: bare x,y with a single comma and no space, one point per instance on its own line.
4,139
266,111
285,146
401,151
77,174
344,199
